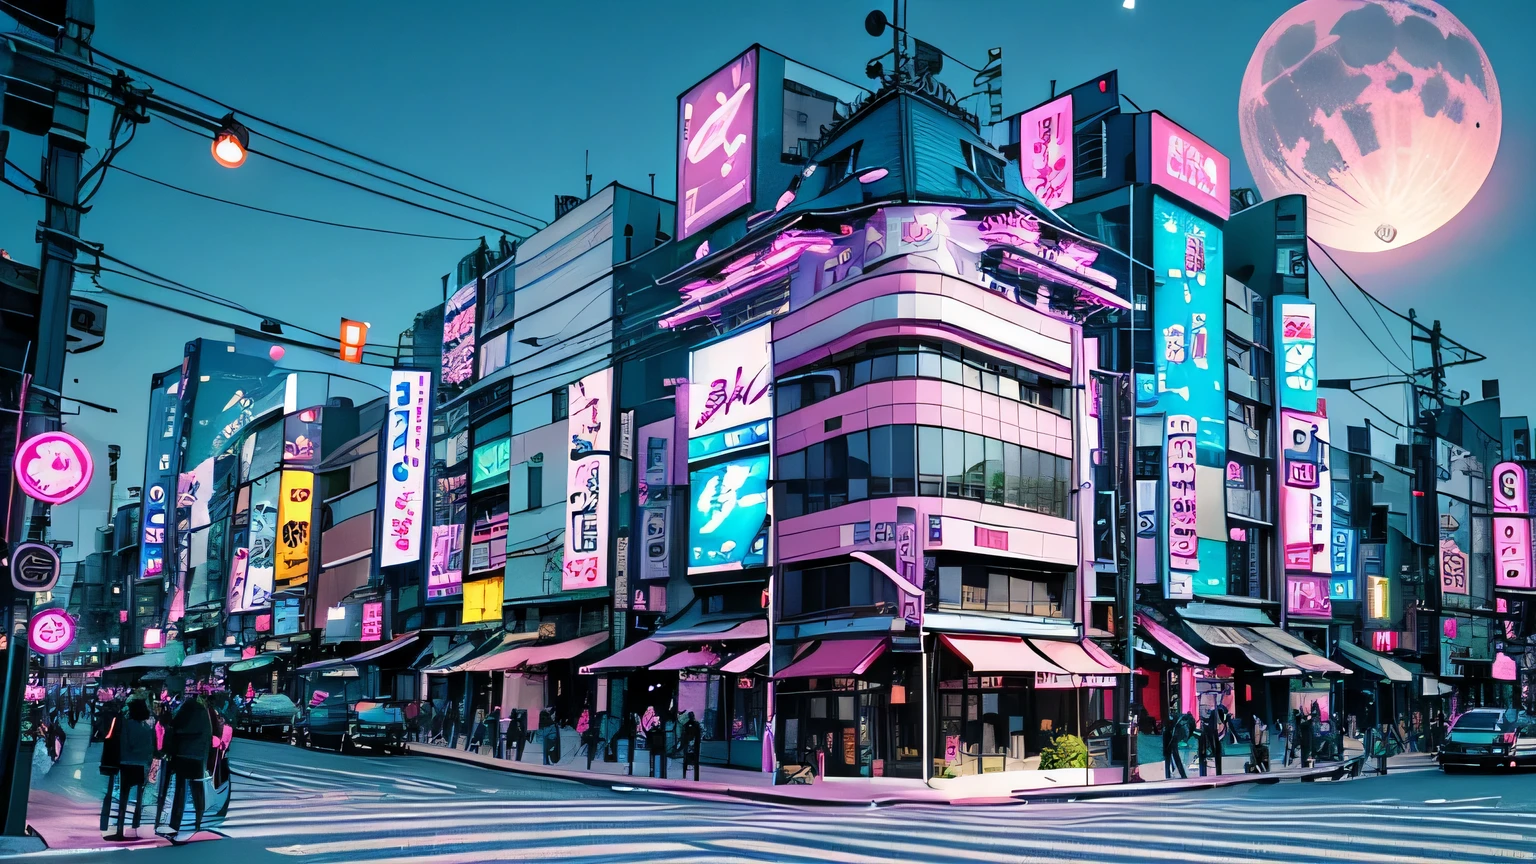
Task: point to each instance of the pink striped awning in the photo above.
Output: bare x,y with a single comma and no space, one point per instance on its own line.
696,658
996,655
743,662
636,656
1170,641
1074,658
540,655
835,658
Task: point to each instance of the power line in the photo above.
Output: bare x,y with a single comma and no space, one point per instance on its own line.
311,220
535,222
318,173
1356,322
1373,304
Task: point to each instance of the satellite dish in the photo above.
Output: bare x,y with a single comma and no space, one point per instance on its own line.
874,23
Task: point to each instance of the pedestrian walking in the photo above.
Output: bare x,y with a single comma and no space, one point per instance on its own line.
517,733
1175,733
1305,730
451,725
190,740
655,742
109,768
1211,733
1258,762
135,753
493,732
629,729
549,734
690,741
591,736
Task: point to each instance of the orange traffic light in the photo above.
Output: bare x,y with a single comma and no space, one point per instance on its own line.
354,335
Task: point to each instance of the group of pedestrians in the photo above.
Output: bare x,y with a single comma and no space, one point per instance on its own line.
181,744
1299,738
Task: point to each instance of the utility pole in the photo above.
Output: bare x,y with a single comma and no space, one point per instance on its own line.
1429,404
57,233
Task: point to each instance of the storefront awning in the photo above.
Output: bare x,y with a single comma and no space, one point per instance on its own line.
1078,658
254,663
755,628
1372,663
1169,641
834,658
1306,656
374,655
540,655
1262,653
216,657
998,655
444,663
695,658
636,656
150,660
742,663
320,665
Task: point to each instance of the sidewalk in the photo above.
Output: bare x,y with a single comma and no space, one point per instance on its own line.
1007,788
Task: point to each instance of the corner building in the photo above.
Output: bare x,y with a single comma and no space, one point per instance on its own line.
919,489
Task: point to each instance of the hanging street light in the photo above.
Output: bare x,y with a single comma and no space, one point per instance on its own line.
231,142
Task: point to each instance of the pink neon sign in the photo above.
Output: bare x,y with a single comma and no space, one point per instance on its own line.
1190,168
1307,596
51,631
1306,522
1511,534
1045,151
53,467
1183,543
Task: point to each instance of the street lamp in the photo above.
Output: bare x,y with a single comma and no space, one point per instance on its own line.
231,142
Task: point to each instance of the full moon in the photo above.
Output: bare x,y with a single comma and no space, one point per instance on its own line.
1384,113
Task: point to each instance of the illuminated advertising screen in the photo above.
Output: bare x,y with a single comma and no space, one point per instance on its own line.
1189,386
482,599
1307,596
285,616
373,622
1296,344
728,517
159,479
490,463
589,427
1306,519
1345,545
715,145
730,394
1045,151
294,509
1190,168
446,577
488,536
301,438
1455,546
407,435
459,338
1511,531
254,590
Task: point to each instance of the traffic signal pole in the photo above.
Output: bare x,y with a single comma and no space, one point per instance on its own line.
27,519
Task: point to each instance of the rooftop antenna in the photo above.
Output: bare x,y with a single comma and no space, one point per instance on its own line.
653,182
588,169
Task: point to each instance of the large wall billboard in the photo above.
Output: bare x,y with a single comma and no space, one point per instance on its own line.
1511,527
459,339
728,522
730,387
1188,315
1306,514
260,552
445,579
1045,151
590,429
159,478
294,509
717,125
407,434
1190,168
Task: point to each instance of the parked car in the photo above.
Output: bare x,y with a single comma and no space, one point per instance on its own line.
1489,738
334,722
267,714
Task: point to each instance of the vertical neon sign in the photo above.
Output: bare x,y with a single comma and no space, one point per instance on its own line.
1511,532
590,437
1183,543
404,509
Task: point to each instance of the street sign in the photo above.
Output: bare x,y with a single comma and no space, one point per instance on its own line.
51,631
34,567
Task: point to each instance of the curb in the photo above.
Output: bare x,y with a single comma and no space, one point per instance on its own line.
767,795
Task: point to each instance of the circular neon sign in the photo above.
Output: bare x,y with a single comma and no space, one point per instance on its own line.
51,631
53,467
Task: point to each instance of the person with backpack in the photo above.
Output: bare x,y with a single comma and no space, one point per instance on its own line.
110,765
188,745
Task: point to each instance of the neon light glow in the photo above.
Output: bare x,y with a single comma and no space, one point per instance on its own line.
717,120
1045,151
587,473
51,631
53,467
1511,533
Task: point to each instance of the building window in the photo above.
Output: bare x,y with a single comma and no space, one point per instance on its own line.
890,359
902,459
1017,592
808,590
561,399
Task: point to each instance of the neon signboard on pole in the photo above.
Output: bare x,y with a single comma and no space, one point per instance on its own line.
1296,343
1306,520
53,467
1190,168
717,125
730,394
1045,151
407,433
1511,532
51,631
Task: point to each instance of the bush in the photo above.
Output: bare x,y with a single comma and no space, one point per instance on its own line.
1067,751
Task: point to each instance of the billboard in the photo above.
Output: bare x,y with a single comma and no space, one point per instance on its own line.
1511,531
655,500
1455,546
1296,344
1345,543
294,508
728,520
260,551
716,129
446,576
489,464
159,479
373,622
459,337
404,508
285,617
488,535
1190,168
1188,315
730,387
1045,151
1306,517
1307,596
590,431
